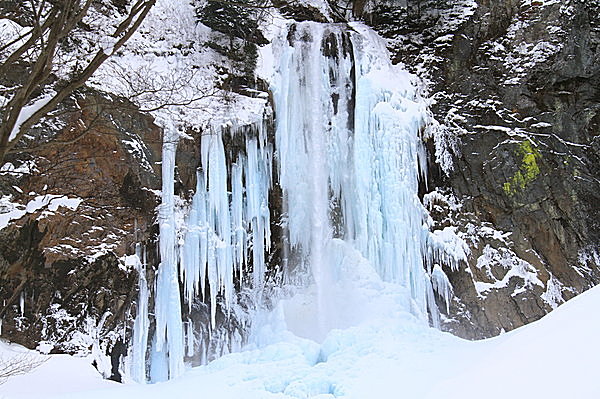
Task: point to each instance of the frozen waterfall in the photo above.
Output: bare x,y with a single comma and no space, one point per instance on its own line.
349,158
346,156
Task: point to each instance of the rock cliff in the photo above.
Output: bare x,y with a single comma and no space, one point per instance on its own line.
515,86
77,206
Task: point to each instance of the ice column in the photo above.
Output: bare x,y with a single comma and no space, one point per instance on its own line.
168,338
141,324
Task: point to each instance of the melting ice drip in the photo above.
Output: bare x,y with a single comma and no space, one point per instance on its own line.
348,157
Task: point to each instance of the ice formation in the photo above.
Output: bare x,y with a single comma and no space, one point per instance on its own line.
222,221
347,156
166,358
140,328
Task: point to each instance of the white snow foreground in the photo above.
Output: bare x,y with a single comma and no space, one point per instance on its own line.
394,357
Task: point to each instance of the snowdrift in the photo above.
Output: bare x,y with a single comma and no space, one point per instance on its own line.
554,357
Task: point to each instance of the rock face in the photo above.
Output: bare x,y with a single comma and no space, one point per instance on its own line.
81,205
516,87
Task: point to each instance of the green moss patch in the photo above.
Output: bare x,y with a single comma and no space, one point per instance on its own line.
528,170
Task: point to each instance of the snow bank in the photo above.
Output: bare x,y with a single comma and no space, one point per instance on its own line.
380,358
58,375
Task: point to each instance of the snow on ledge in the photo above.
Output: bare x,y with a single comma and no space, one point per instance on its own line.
12,210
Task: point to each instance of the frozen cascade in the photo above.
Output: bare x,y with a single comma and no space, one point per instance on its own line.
220,226
348,155
229,217
349,152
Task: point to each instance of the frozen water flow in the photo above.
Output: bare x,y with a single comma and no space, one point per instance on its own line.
141,324
221,225
347,139
349,158
168,345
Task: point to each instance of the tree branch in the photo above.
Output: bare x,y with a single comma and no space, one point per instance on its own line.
69,14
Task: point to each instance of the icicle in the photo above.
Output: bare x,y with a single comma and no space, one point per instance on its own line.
219,237
220,224
203,355
189,338
159,363
237,216
441,285
22,303
141,324
191,260
169,328
257,207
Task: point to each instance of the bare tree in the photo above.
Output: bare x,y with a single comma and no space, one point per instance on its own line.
18,365
44,31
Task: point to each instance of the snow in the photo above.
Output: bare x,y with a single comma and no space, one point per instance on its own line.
28,110
53,202
167,67
138,149
446,140
383,357
586,258
25,168
107,44
552,358
57,375
523,47
541,125
447,247
514,268
9,30
553,294
436,197
13,211
10,211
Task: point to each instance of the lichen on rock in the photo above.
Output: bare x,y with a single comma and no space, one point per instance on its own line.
528,170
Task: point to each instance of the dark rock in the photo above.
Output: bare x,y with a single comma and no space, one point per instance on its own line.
299,12
519,87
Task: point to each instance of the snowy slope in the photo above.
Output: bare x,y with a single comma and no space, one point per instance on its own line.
57,374
380,358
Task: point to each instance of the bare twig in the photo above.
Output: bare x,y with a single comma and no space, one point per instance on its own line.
58,23
18,365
